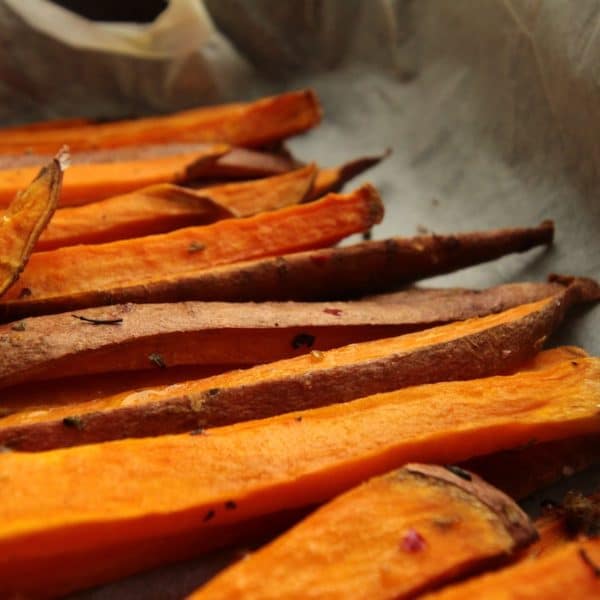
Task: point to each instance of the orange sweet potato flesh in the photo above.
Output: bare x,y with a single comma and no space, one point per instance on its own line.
249,124
500,342
165,207
398,535
218,333
85,183
24,220
572,572
96,269
182,486
326,274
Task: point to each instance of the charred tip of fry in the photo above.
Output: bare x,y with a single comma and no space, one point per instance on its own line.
63,158
586,288
313,99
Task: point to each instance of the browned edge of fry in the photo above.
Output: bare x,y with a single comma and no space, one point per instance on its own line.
515,520
343,174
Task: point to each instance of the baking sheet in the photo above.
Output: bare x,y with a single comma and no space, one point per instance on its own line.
491,108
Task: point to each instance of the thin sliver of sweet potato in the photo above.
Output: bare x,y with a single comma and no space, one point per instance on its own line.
328,274
332,179
23,222
571,572
182,486
249,124
474,348
165,207
395,536
218,333
242,163
97,268
85,183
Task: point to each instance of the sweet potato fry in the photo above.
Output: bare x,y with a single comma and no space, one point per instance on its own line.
156,209
217,333
102,501
396,536
571,572
24,220
500,343
96,269
166,207
333,179
85,183
328,274
249,124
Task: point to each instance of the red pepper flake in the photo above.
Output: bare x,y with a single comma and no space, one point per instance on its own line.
412,541
230,505
336,312
208,516
320,259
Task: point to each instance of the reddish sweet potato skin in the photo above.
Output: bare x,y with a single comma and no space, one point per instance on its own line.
493,350
218,333
328,274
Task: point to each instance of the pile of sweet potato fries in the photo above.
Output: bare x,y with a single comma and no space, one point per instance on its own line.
188,362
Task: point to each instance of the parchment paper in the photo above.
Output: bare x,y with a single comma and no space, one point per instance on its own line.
491,107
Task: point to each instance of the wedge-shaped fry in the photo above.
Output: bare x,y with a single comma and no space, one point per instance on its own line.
238,163
86,183
244,124
326,274
473,348
166,207
126,505
24,220
71,390
156,209
394,537
333,179
218,333
96,269
572,572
